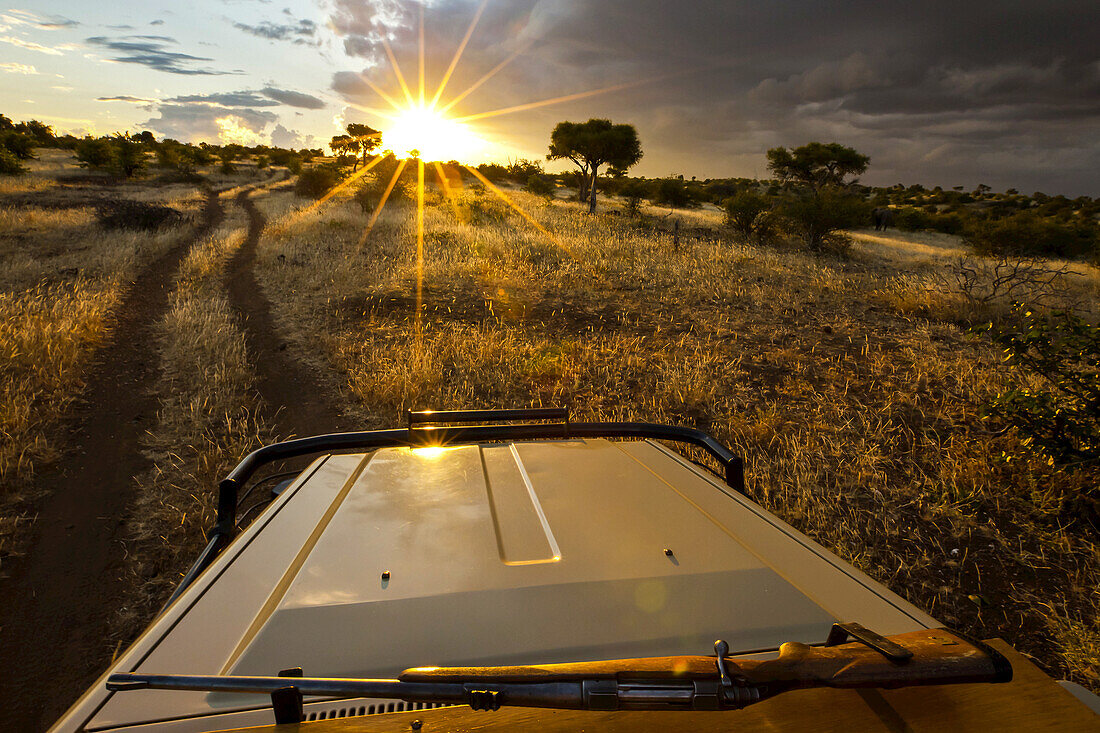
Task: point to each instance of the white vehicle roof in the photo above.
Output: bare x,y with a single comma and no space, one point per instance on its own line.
501,553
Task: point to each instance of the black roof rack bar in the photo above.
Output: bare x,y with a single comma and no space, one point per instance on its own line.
229,488
452,416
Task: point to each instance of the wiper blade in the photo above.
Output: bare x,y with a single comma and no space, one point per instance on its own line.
927,657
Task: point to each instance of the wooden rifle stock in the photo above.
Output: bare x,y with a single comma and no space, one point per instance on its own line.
939,656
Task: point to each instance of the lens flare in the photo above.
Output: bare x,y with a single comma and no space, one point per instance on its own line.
435,136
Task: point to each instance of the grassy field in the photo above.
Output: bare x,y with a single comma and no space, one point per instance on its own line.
61,278
851,387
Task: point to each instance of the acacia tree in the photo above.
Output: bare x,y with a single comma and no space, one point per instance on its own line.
368,140
592,144
345,145
819,203
817,165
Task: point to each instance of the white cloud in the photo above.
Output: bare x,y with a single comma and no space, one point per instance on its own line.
234,129
30,45
14,68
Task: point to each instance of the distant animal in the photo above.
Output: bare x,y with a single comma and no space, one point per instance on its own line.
882,217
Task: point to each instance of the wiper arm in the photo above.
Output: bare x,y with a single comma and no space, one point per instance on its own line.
927,657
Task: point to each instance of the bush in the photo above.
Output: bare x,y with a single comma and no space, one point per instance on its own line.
94,153
1061,422
1025,233
137,215
129,157
315,182
9,164
951,223
910,219
818,217
748,213
19,144
262,162
633,191
672,192
521,170
539,186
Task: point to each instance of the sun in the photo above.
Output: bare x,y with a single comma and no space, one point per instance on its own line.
436,136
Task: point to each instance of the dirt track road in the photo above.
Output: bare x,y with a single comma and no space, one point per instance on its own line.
55,607
294,399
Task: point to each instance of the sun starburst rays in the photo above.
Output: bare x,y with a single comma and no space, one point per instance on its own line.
423,130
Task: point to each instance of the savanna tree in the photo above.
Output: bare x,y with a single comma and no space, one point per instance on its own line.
368,140
817,165
592,144
819,203
343,145
129,158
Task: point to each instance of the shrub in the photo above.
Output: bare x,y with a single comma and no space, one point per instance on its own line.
951,223
9,164
633,191
129,157
137,215
94,153
18,144
1061,422
262,162
672,193
818,218
522,170
910,219
316,181
748,213
1025,233
539,186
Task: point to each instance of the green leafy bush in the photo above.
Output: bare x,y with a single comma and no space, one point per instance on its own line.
129,156
9,164
818,217
748,213
1061,419
1026,233
18,144
95,153
315,182
538,185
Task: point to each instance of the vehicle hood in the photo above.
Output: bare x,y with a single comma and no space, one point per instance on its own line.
496,554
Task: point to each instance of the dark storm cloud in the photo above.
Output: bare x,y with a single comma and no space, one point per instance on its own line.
293,99
1004,92
266,97
299,31
125,98
226,99
152,51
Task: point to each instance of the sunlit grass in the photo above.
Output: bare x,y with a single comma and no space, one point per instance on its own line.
860,419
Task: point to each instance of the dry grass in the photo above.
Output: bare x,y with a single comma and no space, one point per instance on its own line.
208,419
60,279
860,418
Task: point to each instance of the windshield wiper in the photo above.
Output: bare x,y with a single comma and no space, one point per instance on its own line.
926,657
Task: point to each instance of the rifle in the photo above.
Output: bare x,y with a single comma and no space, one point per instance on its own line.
926,657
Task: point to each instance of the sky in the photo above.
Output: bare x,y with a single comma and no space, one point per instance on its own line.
1000,92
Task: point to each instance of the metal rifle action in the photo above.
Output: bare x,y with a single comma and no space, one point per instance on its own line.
926,657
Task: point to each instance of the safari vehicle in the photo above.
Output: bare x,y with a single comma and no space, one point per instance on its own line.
573,575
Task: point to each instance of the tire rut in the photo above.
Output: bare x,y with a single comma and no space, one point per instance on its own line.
295,399
56,606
